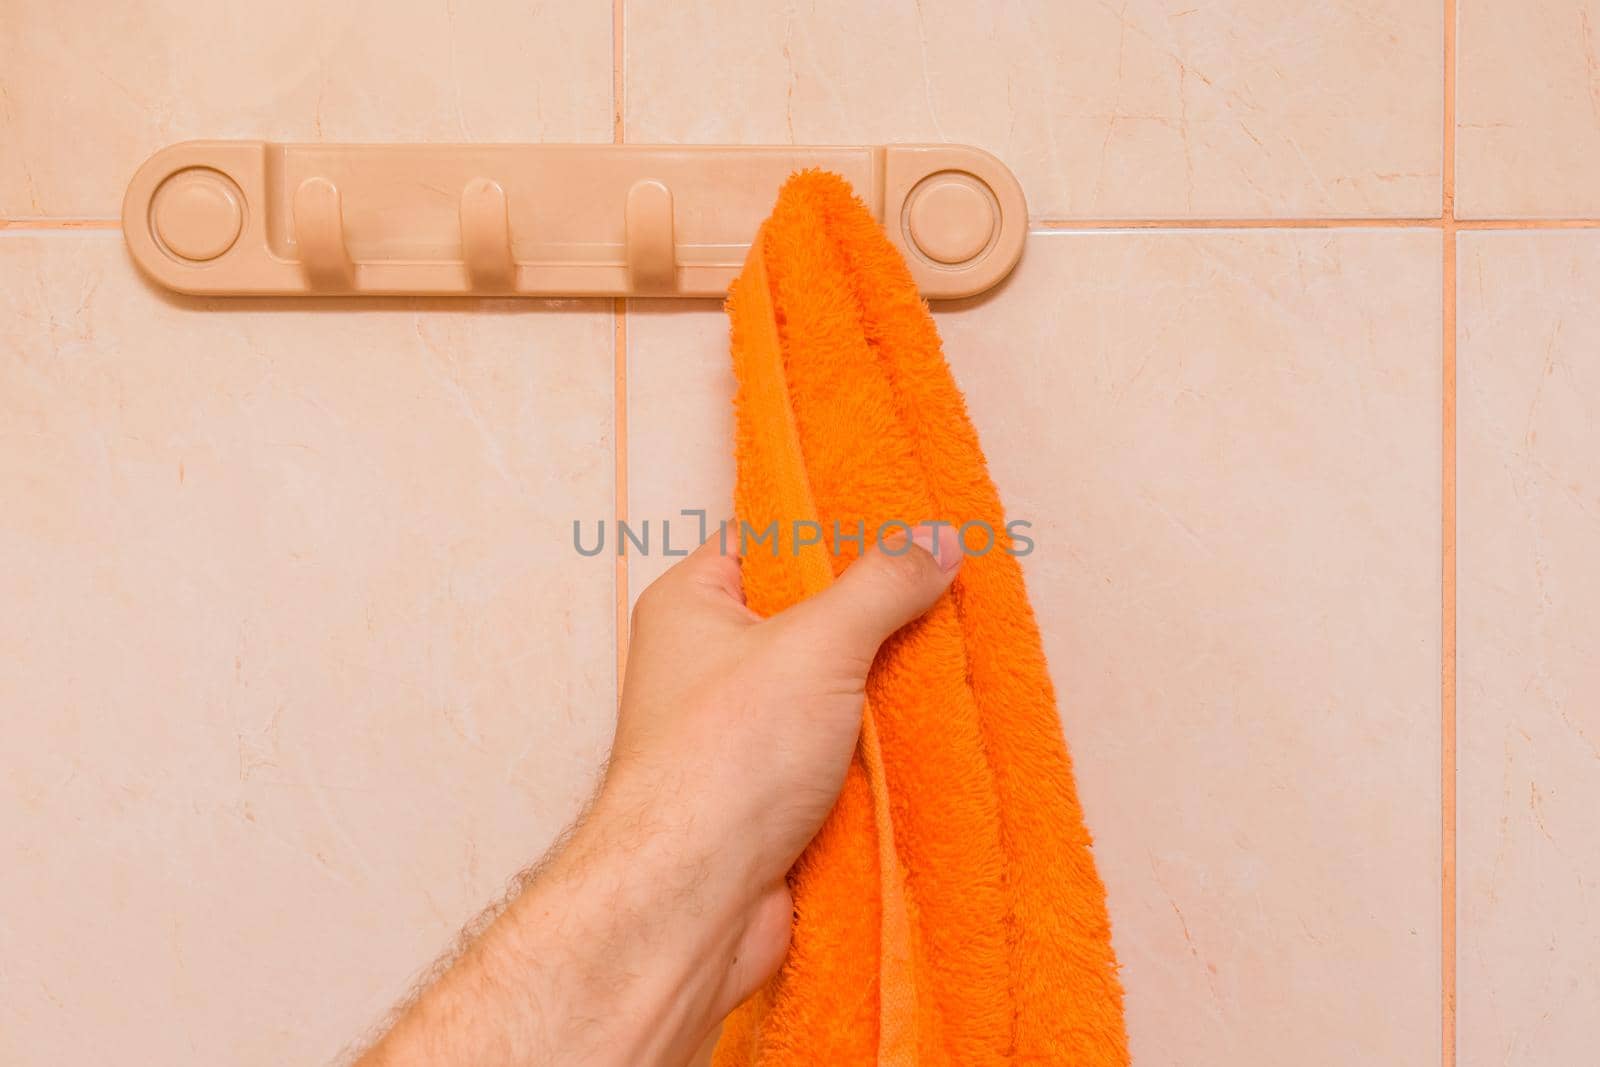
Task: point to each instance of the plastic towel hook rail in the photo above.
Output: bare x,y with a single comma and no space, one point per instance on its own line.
252,218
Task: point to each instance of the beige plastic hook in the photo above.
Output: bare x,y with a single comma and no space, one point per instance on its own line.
486,236
319,233
254,218
652,252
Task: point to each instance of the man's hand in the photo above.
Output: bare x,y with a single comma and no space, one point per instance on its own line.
668,906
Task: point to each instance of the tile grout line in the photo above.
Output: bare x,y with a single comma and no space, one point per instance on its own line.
619,390
1523,224
1447,681
1447,563
1047,226
1052,226
60,224
1238,224
619,387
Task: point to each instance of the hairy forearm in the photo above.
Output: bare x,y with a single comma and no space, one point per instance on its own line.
615,952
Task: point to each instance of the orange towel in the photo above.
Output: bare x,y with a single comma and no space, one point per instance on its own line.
949,911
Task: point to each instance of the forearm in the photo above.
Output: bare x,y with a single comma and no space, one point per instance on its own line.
614,954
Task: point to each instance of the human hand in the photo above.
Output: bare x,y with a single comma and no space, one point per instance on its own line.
669,905
735,732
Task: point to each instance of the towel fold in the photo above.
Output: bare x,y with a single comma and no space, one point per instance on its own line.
949,911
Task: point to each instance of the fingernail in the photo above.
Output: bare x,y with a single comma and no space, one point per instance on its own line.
940,540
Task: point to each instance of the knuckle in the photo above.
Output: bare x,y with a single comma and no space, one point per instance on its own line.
649,605
905,572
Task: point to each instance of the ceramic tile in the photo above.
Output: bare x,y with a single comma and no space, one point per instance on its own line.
297,662
87,91
1529,483
680,427
1528,109
1228,443
1143,108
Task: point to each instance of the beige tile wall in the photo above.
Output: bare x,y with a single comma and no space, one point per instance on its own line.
297,665
1529,108
297,668
93,88
1164,108
1530,664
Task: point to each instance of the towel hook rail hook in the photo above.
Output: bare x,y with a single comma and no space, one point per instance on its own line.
319,233
486,236
651,243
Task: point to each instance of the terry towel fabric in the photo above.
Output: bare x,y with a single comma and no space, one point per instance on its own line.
949,911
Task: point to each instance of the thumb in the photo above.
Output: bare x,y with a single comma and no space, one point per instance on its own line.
891,584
